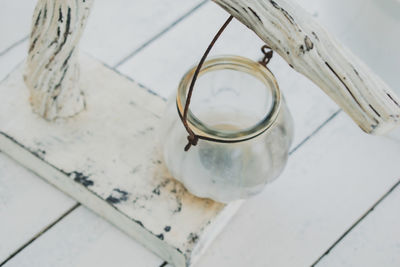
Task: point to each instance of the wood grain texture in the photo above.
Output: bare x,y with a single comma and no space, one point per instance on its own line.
52,70
312,51
374,41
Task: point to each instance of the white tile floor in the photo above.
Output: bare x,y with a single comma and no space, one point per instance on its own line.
323,201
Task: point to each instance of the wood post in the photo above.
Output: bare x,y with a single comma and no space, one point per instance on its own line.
52,69
311,50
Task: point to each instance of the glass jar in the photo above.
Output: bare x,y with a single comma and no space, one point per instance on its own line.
238,105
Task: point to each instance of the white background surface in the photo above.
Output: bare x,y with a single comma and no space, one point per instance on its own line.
338,193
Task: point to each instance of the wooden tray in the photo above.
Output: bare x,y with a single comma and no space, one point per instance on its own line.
108,159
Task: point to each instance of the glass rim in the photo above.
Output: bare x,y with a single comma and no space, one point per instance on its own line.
237,63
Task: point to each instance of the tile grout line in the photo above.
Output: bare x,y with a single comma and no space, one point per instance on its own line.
129,78
2,79
315,131
5,51
380,200
158,35
40,233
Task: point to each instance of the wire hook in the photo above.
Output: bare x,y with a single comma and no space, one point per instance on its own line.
267,55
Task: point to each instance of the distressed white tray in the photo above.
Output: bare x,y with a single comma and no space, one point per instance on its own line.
107,159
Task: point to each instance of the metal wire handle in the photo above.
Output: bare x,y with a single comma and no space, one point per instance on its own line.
192,137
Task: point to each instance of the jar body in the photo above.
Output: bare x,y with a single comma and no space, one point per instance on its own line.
238,107
226,171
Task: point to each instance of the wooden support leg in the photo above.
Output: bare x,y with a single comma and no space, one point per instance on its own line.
52,70
312,51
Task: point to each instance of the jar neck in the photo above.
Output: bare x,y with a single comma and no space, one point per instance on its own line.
240,64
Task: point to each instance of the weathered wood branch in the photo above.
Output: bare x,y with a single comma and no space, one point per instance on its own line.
52,71
311,50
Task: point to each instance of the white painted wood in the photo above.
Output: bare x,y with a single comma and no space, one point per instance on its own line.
394,135
312,51
374,242
52,71
299,193
15,21
10,60
292,80
117,29
108,159
185,44
328,184
306,124
373,40
83,239
109,42
118,32
27,205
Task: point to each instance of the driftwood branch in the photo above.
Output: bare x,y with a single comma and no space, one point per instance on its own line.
309,49
52,71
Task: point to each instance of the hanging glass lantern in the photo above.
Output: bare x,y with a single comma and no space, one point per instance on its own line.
238,122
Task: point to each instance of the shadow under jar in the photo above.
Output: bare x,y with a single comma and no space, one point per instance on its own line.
237,103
